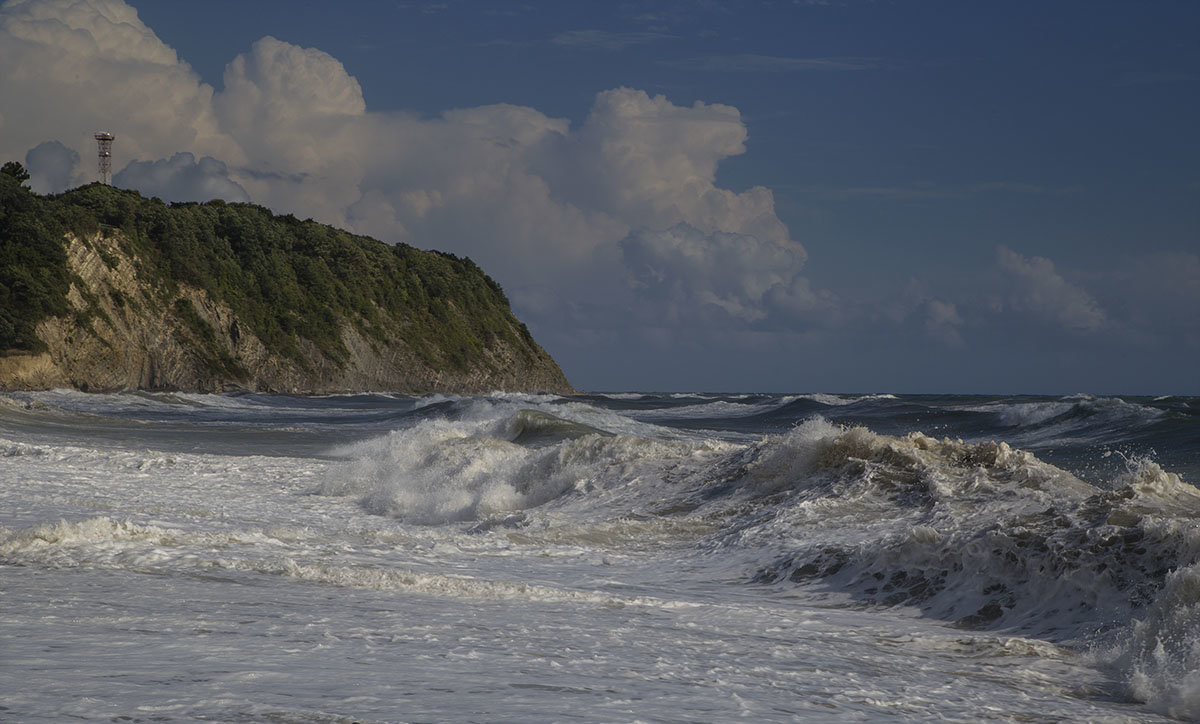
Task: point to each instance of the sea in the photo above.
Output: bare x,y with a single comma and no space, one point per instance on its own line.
633,557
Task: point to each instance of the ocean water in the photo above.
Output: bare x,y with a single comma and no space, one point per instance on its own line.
600,558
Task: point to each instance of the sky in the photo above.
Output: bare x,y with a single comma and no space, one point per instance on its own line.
813,196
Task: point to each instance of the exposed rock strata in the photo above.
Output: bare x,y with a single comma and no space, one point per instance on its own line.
122,334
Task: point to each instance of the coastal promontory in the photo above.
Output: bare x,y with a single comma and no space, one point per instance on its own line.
102,289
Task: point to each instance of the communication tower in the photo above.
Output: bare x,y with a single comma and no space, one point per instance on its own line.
104,141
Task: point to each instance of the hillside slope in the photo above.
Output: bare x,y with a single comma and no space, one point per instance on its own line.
103,289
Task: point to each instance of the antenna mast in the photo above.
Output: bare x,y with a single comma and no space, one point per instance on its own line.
104,141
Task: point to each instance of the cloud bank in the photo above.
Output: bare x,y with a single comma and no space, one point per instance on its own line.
607,233
71,68
620,215
527,195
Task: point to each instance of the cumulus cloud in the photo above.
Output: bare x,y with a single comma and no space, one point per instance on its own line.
718,275
556,212
465,182
298,113
51,166
1038,289
603,231
654,164
69,68
182,178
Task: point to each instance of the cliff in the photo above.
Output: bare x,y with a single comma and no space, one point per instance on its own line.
102,289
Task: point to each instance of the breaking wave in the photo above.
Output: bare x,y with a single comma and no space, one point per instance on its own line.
804,493
445,470
987,537
982,535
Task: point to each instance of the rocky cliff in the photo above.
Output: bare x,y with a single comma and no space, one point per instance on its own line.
342,314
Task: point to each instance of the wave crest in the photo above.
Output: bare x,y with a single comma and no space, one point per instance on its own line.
445,471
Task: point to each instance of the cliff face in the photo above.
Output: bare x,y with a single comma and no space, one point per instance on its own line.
131,322
120,334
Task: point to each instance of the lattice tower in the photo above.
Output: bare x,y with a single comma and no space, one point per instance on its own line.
104,141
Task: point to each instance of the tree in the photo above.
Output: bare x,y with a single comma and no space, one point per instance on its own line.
15,170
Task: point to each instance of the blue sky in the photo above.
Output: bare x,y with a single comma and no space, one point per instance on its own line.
897,196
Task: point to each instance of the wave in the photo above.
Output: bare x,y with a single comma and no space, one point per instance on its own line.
932,517
980,534
1160,654
733,406
458,470
533,428
842,400
715,409
1077,418
986,537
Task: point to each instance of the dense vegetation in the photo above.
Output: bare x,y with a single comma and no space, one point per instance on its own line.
286,279
33,264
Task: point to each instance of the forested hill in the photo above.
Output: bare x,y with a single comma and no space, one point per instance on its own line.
102,288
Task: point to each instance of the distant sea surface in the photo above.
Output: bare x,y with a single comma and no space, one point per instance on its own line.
599,558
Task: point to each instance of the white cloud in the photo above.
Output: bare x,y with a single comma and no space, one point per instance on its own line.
614,228
572,212
298,114
654,164
1037,288
694,274
531,198
69,68
466,182
182,178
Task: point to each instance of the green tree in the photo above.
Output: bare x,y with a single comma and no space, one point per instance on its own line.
33,264
15,170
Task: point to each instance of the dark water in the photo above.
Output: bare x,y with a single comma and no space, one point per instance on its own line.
1085,434
1090,436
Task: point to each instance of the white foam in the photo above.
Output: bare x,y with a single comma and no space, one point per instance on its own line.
982,533
1160,657
601,578
441,471
460,586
